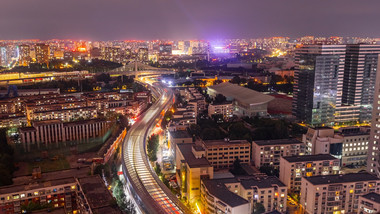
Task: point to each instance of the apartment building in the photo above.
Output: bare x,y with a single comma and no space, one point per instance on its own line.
64,114
266,190
350,144
191,167
336,193
268,152
217,198
369,203
55,131
222,153
293,168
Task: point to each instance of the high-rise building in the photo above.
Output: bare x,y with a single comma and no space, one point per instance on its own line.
360,71
24,55
42,54
334,83
373,164
318,68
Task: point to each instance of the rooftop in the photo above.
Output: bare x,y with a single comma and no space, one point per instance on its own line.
346,178
210,143
277,142
190,159
372,196
242,94
217,188
180,134
97,194
36,184
303,158
261,182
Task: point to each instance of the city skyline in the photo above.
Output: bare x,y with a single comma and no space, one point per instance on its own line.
120,20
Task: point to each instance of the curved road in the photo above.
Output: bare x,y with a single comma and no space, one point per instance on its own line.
149,192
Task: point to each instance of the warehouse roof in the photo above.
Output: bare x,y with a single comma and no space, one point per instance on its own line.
241,94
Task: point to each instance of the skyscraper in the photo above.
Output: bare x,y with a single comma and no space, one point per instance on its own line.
335,83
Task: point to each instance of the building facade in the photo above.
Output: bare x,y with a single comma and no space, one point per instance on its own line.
268,152
336,193
329,83
293,168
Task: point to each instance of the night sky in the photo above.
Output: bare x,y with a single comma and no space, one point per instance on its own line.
186,19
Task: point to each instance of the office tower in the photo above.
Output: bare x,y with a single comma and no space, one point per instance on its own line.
24,51
42,54
358,83
373,148
335,83
319,70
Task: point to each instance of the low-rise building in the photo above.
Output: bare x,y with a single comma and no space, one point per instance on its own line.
336,193
246,102
268,152
293,168
369,203
191,167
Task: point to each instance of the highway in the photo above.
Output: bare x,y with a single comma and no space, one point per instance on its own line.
150,194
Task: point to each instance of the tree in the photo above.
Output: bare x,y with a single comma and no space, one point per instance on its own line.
236,80
219,98
6,160
152,147
103,77
258,208
237,169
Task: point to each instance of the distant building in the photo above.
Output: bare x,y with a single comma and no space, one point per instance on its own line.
143,54
42,54
24,58
293,168
369,203
269,152
246,102
336,193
